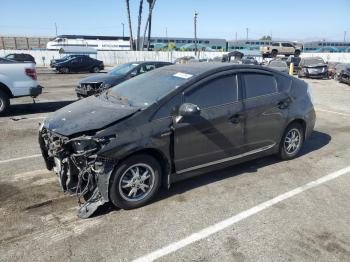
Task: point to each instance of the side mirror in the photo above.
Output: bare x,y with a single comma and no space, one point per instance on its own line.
133,74
188,109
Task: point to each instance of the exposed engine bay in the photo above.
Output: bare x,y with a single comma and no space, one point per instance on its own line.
81,171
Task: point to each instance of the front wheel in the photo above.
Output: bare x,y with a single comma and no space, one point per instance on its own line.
292,141
64,70
135,182
4,102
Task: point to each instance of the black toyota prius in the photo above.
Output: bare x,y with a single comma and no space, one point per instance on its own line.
170,124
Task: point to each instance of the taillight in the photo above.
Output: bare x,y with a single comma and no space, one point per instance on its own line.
31,73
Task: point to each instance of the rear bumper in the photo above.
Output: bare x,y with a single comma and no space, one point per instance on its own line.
35,91
310,122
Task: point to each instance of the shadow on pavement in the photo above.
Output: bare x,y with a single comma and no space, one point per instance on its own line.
316,141
34,108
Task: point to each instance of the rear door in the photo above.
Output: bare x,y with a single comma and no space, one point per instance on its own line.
266,102
215,135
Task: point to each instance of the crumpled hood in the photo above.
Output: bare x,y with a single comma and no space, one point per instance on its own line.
102,78
92,113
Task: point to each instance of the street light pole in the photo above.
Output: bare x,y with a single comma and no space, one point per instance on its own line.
247,29
344,36
56,28
123,29
195,32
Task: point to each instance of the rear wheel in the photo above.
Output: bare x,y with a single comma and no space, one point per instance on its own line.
135,182
292,141
95,69
4,102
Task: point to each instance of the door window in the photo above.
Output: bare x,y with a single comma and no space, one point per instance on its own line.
259,85
216,92
146,68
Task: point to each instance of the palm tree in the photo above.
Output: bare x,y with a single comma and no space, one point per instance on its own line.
148,22
130,26
139,26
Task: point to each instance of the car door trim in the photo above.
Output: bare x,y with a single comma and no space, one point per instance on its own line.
255,151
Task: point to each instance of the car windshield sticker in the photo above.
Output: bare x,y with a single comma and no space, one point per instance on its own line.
183,75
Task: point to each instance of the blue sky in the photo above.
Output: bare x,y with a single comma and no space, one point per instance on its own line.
293,20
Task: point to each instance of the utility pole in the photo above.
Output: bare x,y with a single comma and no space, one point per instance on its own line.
247,31
56,28
344,36
236,36
123,29
195,32
166,32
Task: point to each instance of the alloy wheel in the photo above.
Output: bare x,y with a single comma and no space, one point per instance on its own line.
136,182
292,141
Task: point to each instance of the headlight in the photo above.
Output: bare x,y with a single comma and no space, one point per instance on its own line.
84,144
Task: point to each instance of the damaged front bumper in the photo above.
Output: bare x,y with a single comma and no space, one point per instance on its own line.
81,171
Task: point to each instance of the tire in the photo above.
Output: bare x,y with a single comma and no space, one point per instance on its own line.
286,153
274,53
95,69
124,181
4,102
64,70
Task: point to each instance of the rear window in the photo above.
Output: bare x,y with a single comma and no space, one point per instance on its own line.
259,85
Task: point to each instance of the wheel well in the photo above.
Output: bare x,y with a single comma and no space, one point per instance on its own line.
6,90
301,122
159,156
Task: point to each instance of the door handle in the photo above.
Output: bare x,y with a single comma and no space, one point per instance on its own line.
236,119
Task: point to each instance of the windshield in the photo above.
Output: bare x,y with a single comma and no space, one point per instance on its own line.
146,89
314,61
278,64
122,69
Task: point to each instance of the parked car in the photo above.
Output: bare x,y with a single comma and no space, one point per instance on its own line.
295,60
92,85
21,58
79,64
312,67
344,76
172,123
280,48
249,61
279,66
66,57
17,79
338,69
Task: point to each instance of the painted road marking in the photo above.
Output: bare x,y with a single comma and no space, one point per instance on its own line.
333,112
19,158
206,232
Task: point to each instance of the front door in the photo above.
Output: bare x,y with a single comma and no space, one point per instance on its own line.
217,133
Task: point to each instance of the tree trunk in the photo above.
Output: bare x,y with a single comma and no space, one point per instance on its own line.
139,26
130,26
148,21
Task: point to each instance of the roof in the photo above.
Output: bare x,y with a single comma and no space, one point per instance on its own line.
197,69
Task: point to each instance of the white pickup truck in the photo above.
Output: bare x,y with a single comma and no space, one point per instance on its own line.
17,80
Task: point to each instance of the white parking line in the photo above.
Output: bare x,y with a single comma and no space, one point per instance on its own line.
206,232
19,158
333,112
